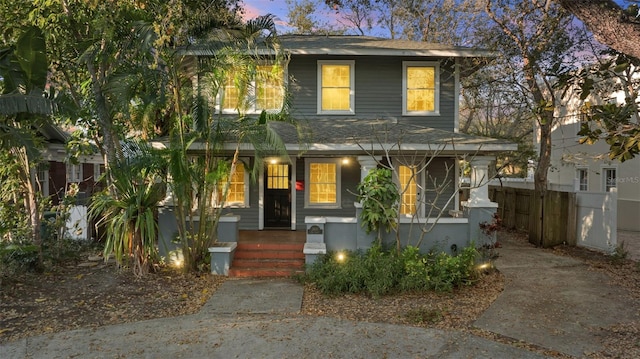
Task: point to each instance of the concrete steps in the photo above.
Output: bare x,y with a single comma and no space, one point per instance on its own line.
267,260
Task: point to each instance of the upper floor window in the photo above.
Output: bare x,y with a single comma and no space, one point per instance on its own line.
253,92
336,87
420,88
610,179
582,176
323,182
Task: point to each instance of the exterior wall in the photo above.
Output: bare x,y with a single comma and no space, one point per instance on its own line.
378,90
449,235
568,156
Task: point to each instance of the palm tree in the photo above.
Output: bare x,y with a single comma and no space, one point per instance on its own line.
202,182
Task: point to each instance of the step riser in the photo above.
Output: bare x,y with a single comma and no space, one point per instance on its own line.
244,263
268,255
243,273
270,247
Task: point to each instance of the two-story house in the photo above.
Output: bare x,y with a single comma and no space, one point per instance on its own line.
363,102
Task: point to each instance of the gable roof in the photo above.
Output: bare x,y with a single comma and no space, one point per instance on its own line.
375,46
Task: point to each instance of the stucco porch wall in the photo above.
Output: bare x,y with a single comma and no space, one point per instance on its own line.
228,230
345,233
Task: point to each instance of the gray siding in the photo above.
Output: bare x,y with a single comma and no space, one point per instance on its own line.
378,90
437,170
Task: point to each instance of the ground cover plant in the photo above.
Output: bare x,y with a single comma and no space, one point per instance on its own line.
378,271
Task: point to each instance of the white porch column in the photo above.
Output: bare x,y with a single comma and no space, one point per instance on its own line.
479,191
367,163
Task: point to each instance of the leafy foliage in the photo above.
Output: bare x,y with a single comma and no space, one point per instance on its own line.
378,272
379,197
128,211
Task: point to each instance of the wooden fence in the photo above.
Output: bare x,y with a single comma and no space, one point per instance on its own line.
549,221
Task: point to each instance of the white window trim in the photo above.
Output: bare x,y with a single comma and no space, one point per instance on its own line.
251,93
352,84
43,178
307,165
436,65
245,161
577,179
603,175
419,180
74,173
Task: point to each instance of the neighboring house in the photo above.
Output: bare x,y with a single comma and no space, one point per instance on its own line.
346,90
587,168
56,176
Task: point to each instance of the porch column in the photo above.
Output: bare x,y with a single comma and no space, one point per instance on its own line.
367,163
479,191
479,208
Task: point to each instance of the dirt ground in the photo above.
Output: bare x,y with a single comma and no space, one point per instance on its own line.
89,294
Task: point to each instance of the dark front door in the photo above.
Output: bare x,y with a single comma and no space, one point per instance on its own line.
277,195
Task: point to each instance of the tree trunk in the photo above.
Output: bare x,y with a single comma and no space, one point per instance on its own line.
609,23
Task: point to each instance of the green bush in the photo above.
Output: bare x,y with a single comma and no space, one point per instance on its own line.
378,272
17,258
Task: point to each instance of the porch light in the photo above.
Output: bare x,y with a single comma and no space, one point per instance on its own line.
345,161
274,161
341,257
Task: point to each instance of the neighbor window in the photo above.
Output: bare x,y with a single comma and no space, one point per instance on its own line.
610,179
408,189
74,173
421,81
262,91
583,179
238,187
336,87
43,178
323,183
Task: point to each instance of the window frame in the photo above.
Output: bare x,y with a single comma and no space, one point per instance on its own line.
74,173
352,89
307,175
436,105
579,184
416,182
606,186
237,204
251,96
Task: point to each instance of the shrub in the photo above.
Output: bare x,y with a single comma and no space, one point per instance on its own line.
378,272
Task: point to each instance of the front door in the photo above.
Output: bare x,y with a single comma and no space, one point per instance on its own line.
277,196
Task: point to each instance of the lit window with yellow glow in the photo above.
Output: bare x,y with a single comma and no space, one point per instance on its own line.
231,92
237,187
336,86
323,183
409,189
269,87
420,90
277,176
253,92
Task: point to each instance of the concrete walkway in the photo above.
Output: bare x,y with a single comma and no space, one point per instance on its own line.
552,301
556,302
